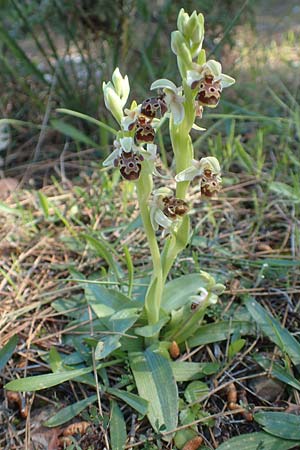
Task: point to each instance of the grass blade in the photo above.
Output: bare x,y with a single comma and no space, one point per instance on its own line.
7,351
88,119
72,132
118,433
39,382
273,330
67,413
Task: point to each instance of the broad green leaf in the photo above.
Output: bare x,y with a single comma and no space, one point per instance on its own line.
156,384
122,320
39,382
185,371
105,302
67,413
277,371
272,328
151,330
257,441
7,351
88,119
280,424
177,292
118,433
220,331
74,133
106,345
195,391
133,400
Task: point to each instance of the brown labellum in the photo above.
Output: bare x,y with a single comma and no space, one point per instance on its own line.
150,107
174,350
130,165
209,93
194,443
154,107
144,133
174,207
210,186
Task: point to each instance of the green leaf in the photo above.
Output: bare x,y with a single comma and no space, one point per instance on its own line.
133,400
74,133
284,425
106,252
195,391
156,384
118,433
277,371
20,55
44,203
220,331
273,330
55,360
7,351
67,413
244,157
106,346
151,330
105,302
284,190
235,347
122,320
185,371
177,292
88,119
257,441
39,382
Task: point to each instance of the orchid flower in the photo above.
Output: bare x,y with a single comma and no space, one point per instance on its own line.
125,144
131,116
173,98
198,169
157,217
210,68
166,210
208,169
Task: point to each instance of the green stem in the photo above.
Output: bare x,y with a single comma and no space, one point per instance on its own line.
184,153
154,292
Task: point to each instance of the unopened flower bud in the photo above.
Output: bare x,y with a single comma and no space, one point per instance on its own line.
121,86
112,101
179,47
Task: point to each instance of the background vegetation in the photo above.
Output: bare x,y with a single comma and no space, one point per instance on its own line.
56,54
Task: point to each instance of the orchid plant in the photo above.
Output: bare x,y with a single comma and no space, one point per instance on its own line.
148,333
135,152
172,310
